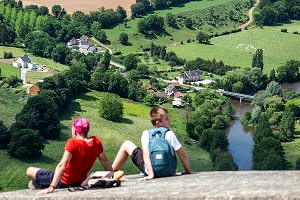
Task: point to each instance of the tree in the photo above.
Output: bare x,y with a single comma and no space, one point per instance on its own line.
130,62
123,38
121,13
268,154
136,92
60,53
188,22
26,143
263,129
7,34
223,161
202,37
101,36
171,20
287,125
118,85
5,136
187,100
105,61
56,10
274,88
289,72
43,114
150,100
257,60
111,107
96,27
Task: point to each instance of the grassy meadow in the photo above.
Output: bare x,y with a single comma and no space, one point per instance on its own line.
234,49
8,70
135,120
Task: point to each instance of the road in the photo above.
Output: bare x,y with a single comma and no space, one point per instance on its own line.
250,16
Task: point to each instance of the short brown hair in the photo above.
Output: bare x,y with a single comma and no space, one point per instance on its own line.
156,114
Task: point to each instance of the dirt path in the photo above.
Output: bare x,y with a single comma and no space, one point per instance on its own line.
250,16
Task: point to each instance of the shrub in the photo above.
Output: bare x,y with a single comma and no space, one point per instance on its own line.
8,55
4,136
111,107
26,143
284,30
295,32
297,167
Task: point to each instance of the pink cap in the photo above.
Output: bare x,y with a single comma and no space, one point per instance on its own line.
81,125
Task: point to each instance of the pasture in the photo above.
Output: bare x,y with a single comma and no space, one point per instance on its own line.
237,49
135,120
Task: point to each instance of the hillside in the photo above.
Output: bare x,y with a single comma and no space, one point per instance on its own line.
112,134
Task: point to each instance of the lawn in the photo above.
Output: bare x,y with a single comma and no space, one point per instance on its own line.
8,70
135,120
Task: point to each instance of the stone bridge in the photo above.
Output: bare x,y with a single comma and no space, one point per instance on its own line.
202,185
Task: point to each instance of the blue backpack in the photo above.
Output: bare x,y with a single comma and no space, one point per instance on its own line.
163,158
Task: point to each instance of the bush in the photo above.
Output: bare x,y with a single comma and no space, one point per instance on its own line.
26,143
295,32
284,30
4,136
297,167
8,55
111,107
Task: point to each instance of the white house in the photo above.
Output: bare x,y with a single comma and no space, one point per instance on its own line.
24,62
194,75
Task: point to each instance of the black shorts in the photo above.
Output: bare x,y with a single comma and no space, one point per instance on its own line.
44,179
137,159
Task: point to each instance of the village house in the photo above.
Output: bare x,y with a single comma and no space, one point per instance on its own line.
35,89
24,62
190,76
83,45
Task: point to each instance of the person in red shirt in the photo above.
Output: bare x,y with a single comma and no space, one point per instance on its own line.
79,157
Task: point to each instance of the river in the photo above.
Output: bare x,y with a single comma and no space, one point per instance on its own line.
240,137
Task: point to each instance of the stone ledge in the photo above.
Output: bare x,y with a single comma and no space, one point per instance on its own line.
202,185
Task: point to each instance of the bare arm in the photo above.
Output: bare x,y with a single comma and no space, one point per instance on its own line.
147,161
184,159
59,170
105,162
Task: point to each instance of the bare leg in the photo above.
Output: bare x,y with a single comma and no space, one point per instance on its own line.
123,153
31,172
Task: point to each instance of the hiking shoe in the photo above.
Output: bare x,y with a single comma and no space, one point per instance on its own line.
118,174
33,185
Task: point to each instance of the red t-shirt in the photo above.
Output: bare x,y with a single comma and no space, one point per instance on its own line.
83,158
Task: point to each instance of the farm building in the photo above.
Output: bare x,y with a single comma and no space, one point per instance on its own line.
24,62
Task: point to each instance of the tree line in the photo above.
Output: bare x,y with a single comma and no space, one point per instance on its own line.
276,11
207,124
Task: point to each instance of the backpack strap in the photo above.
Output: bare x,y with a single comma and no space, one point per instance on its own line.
159,131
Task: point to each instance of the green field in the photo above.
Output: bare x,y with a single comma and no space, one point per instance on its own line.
234,49
237,49
135,120
138,41
8,70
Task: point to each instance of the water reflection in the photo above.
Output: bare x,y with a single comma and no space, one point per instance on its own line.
241,144
240,137
291,87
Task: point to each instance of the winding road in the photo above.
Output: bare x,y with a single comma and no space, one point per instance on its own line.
250,16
